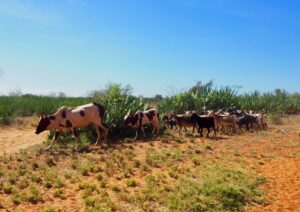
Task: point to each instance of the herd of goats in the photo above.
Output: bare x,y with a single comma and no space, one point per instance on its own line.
69,119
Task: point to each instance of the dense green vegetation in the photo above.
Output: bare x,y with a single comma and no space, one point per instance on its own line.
119,101
206,96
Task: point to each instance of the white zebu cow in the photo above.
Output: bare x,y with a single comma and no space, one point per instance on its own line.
141,118
67,118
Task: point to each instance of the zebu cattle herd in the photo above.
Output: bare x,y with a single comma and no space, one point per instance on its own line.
231,121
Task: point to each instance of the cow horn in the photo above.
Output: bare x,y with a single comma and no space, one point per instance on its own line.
128,112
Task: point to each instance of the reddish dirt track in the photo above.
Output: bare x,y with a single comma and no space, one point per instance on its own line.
12,139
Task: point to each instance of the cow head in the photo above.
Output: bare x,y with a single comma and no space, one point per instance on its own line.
130,120
165,117
43,124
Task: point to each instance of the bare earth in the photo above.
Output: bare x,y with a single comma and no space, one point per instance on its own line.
15,138
274,154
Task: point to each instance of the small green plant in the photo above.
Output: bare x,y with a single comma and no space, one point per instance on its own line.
173,174
24,183
208,147
8,188
50,161
151,180
58,193
35,166
16,199
84,170
116,188
34,195
198,151
131,182
48,184
48,209
100,177
196,161
13,177
103,183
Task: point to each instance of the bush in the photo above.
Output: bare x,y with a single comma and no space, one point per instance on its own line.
34,195
8,188
131,182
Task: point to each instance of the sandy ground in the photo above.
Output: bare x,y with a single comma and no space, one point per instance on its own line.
16,138
274,154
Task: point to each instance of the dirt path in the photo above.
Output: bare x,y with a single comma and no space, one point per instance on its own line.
283,184
14,139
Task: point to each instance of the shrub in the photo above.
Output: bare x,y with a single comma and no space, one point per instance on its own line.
131,182
24,183
58,193
16,199
34,195
8,188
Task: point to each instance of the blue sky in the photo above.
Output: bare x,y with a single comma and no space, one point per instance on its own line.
156,46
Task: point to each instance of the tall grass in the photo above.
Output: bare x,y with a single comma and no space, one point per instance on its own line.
206,96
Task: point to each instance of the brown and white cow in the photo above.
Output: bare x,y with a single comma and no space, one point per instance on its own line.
183,120
141,118
69,119
225,120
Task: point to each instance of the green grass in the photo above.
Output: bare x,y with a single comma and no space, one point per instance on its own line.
166,178
215,188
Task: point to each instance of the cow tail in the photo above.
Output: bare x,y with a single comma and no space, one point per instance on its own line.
101,111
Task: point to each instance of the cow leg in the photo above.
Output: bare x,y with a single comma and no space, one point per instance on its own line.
258,126
247,127
193,129
98,135
53,139
75,135
137,133
215,133
154,128
185,129
207,132
179,129
201,132
143,131
198,128
104,127
157,128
